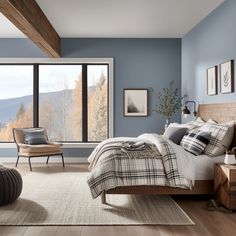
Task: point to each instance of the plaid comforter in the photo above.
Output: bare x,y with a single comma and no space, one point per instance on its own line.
112,167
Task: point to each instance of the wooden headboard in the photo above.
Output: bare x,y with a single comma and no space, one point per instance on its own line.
221,112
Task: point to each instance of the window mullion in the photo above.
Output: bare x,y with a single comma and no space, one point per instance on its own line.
84,104
36,96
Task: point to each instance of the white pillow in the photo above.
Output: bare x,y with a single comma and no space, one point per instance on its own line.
210,121
187,125
230,133
221,137
198,122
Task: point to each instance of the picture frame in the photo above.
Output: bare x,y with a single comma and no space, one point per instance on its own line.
212,81
227,77
135,102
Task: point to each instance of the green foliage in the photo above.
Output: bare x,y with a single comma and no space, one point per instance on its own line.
168,101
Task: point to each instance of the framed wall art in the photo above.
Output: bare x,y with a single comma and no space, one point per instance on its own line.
212,81
135,102
227,77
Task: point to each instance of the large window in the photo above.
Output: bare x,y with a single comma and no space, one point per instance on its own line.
69,100
16,99
60,101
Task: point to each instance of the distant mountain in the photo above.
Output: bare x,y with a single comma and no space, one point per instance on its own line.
10,107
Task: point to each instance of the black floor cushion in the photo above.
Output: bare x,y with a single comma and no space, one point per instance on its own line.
10,185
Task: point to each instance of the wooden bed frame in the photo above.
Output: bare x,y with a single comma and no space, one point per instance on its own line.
222,112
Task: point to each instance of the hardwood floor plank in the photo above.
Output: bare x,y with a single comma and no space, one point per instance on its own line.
69,230
100,231
143,230
33,231
4,230
17,231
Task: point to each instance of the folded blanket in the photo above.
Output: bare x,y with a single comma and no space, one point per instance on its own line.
132,146
132,149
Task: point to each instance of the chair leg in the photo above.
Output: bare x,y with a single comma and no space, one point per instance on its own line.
47,160
17,160
30,164
62,160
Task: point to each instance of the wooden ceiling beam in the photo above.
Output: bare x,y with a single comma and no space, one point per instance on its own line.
27,16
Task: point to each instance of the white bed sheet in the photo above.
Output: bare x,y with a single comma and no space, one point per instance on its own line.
204,166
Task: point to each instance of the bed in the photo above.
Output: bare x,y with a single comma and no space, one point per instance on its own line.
204,178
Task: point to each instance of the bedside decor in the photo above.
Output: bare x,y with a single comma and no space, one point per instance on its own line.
168,102
135,102
227,77
212,81
230,157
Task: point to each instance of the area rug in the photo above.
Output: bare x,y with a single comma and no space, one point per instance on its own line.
63,198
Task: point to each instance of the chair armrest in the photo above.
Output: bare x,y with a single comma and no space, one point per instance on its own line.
55,143
24,145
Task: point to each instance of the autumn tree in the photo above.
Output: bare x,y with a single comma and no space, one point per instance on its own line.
76,116
99,127
24,118
21,111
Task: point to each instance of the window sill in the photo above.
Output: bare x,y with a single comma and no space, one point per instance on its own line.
79,145
65,145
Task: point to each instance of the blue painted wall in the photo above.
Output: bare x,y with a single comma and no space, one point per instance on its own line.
138,63
21,47
210,43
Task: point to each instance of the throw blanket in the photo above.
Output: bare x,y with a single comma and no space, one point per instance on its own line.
112,164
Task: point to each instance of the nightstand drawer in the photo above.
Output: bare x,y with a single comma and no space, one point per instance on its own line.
232,177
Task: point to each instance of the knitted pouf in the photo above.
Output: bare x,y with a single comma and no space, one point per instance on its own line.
10,185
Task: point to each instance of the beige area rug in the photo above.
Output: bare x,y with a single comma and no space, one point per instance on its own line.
63,198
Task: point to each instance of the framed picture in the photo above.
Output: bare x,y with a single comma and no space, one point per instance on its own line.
212,81
227,77
135,102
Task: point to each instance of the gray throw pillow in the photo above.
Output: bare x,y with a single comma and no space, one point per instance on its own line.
175,134
35,136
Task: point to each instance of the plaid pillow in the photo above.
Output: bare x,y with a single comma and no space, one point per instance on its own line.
218,133
195,141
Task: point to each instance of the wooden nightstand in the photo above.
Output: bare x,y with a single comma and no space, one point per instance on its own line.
225,185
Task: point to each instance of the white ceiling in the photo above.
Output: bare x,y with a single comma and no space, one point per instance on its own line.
120,18
8,30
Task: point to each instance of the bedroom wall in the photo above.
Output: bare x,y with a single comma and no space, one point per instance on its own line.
138,63
210,43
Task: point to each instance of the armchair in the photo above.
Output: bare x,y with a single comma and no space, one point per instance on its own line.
31,150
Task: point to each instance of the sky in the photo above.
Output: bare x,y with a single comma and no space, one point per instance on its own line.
16,81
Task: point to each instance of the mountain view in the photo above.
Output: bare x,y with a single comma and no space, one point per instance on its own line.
60,113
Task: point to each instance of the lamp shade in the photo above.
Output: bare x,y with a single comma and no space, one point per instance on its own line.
186,111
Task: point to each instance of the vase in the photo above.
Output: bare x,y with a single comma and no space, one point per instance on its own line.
167,123
229,159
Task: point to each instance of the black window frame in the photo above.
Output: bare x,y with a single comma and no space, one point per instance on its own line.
35,95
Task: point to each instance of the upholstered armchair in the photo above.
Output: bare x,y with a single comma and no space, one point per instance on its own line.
33,142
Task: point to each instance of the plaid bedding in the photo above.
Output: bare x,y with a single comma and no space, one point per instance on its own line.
114,168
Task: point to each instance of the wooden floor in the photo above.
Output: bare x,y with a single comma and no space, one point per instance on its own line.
207,222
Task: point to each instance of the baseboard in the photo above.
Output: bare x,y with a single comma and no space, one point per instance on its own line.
43,159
